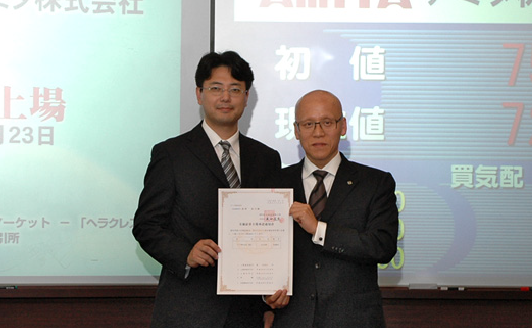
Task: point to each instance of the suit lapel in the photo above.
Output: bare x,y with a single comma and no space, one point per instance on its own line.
248,158
344,183
293,178
200,145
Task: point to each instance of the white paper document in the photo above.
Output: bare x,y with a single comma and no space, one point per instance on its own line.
255,235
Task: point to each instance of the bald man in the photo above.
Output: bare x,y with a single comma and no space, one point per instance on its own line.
346,223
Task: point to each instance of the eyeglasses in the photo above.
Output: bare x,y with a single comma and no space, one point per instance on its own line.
217,91
326,125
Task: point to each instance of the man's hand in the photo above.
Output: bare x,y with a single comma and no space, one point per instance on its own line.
268,318
303,215
204,254
278,300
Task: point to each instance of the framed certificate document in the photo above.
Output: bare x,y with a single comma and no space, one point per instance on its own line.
255,235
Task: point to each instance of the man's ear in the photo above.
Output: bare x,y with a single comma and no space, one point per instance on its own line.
296,131
199,94
344,126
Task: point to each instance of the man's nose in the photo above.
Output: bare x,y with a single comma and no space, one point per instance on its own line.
225,95
318,130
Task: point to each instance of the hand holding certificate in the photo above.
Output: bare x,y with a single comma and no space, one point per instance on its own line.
255,235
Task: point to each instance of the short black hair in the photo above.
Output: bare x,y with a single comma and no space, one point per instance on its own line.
238,67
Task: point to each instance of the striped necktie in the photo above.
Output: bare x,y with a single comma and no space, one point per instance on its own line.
318,196
227,165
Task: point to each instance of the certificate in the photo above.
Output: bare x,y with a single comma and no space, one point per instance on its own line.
255,235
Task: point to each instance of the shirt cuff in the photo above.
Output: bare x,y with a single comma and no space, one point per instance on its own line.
319,236
187,271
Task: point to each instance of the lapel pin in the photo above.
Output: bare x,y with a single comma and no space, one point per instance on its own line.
349,182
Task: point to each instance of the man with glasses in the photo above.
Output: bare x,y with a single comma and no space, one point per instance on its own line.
177,217
347,223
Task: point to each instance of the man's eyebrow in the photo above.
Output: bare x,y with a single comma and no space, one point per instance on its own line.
220,83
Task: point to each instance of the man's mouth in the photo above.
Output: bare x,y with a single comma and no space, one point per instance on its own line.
225,108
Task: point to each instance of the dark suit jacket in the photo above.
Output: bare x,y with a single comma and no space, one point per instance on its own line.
335,285
179,206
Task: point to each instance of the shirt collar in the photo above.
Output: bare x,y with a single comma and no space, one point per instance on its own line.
215,138
331,167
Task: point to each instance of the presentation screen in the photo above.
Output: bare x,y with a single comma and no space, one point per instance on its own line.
86,89
436,92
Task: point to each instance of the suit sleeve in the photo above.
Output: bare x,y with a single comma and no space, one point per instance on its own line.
368,231
272,179
260,164
152,222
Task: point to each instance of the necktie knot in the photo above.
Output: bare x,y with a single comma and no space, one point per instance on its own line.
225,145
319,175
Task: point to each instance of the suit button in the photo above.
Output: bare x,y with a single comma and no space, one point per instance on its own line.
317,265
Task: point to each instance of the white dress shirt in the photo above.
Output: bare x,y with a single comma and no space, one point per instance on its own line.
234,151
309,181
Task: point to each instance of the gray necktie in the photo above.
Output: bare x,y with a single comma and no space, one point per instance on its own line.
227,165
318,196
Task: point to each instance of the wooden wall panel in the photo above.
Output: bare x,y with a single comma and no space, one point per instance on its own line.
131,307
76,312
